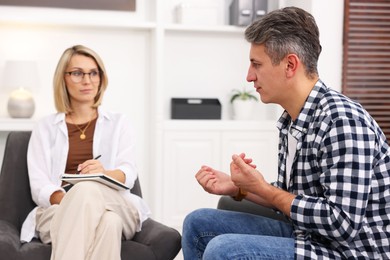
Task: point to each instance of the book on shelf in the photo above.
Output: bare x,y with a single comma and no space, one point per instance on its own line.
99,177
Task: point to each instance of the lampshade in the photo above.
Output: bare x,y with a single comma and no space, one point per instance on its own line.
20,78
20,74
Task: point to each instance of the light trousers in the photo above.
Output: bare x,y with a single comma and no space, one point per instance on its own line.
88,224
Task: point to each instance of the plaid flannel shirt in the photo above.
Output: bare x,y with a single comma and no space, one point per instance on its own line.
340,175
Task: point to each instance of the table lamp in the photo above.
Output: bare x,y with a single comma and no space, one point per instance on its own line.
19,78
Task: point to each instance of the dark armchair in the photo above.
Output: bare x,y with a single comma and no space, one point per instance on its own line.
227,203
155,241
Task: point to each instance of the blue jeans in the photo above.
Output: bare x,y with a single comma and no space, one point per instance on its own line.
213,234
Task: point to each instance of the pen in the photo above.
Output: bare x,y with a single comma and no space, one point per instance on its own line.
97,157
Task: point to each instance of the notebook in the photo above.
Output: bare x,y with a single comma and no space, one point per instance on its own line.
99,177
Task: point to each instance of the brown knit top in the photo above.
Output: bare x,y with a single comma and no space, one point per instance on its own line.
80,150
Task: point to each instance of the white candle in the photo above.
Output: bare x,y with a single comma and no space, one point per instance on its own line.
20,94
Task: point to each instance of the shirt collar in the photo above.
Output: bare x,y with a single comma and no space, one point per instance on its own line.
60,117
312,102
306,114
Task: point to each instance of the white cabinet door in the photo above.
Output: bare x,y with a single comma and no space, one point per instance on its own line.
260,145
184,153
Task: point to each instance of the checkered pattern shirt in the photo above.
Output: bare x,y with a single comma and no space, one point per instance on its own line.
340,175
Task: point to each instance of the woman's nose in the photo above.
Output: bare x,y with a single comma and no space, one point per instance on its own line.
86,78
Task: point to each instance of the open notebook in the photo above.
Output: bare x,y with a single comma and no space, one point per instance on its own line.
99,177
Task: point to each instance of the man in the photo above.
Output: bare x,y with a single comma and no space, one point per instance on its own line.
333,184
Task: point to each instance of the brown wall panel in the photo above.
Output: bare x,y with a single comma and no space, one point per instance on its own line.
366,59
117,5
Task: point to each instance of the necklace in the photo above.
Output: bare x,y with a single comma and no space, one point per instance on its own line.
82,135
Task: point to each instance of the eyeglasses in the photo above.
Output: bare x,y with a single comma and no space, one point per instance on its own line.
77,76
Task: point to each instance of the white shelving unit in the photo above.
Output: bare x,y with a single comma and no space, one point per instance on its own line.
189,144
181,147
13,124
163,54
150,60
209,61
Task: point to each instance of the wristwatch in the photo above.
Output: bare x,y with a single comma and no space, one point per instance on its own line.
240,195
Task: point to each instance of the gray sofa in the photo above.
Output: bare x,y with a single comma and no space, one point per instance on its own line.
155,241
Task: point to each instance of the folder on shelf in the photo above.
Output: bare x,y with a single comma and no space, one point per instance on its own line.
99,177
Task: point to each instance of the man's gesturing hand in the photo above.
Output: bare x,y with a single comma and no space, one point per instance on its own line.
244,173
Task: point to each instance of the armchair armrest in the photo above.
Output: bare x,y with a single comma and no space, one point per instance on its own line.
246,206
9,241
158,236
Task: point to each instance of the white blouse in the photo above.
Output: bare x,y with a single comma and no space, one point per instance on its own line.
113,139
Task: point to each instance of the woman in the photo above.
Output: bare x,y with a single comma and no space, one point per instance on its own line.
89,220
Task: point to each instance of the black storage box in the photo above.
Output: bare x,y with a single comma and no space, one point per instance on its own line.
195,108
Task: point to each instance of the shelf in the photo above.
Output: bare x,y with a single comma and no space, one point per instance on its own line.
54,17
200,125
16,124
194,28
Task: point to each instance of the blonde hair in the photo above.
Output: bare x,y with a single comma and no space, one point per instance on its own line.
61,95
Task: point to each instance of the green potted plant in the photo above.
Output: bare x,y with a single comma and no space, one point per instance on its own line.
242,95
243,102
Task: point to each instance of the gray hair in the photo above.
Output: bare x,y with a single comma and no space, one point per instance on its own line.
288,30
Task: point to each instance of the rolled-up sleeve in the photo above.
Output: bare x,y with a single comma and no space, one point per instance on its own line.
42,181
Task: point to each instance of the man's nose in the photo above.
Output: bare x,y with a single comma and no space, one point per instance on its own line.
250,76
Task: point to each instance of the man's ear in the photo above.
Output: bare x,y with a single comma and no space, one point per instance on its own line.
293,63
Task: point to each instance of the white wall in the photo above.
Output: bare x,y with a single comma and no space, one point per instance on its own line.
329,16
227,56
124,51
203,64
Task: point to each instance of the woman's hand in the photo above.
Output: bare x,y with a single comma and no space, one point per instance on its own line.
95,166
56,197
90,166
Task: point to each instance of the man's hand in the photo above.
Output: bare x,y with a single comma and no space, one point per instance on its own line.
215,182
249,179
244,173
